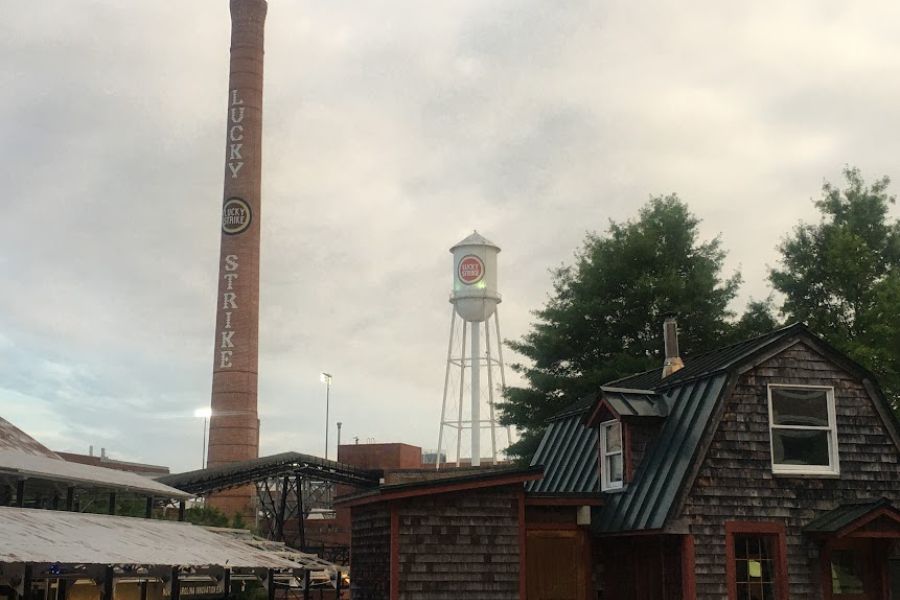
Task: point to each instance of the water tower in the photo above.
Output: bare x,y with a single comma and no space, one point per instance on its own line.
474,299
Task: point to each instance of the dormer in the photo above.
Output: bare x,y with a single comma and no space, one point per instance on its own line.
627,420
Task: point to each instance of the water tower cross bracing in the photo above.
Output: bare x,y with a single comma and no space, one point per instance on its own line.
474,298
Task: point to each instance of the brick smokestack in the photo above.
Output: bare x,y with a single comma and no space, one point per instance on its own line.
234,425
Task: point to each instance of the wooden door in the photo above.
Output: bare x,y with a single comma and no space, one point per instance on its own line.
557,565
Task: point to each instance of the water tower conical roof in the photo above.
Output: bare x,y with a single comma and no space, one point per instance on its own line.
476,239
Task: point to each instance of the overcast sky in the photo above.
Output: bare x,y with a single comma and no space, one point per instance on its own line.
392,129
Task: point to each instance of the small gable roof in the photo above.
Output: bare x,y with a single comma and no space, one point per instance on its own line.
627,403
851,518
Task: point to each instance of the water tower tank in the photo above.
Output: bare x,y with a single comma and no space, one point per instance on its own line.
475,294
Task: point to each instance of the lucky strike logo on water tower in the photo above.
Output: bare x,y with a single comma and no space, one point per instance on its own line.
470,270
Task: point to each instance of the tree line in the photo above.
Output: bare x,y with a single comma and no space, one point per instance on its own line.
603,319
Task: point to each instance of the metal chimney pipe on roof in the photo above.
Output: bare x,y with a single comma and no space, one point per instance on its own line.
670,339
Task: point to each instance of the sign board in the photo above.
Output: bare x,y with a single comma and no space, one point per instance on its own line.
470,270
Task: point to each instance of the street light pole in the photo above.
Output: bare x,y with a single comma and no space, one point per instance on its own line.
206,413
203,452
326,379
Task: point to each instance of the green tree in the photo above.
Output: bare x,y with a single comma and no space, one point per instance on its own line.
841,276
604,318
237,522
758,318
209,516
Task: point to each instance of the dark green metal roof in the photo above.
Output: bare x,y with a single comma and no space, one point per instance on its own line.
844,515
568,449
576,408
646,502
706,363
690,395
635,403
568,452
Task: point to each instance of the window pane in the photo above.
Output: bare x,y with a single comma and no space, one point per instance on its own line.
741,571
753,568
846,573
740,546
792,406
756,591
614,437
800,447
614,466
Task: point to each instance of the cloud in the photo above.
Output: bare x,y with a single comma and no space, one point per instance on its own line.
392,129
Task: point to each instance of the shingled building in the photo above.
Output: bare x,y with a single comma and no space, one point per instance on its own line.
768,469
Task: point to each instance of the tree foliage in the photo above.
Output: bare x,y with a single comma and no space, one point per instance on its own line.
842,275
604,318
208,516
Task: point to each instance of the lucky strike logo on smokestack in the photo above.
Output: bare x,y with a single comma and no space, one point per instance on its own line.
236,216
471,269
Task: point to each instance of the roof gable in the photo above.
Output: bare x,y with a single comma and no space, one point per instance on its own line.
857,519
627,403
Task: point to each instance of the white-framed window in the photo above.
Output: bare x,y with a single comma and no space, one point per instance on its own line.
612,459
802,430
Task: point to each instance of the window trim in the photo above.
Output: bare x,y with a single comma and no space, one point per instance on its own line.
761,528
605,483
832,469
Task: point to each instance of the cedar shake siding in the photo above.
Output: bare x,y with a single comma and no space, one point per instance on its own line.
735,481
640,436
371,553
460,545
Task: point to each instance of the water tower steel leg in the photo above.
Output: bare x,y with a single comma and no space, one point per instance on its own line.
437,460
490,368
502,372
462,380
476,395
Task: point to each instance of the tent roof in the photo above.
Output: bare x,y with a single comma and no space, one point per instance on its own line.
13,438
49,536
22,464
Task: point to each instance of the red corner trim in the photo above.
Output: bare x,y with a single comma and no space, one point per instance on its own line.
594,418
688,569
522,544
626,453
437,488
